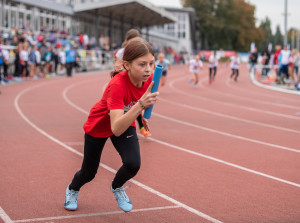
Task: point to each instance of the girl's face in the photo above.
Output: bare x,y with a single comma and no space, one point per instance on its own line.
140,69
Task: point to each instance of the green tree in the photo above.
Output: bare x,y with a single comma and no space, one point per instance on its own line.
265,25
278,38
227,24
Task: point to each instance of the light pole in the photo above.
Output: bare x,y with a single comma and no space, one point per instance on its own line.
285,22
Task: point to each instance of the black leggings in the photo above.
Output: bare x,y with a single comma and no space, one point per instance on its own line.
139,119
127,146
212,73
235,72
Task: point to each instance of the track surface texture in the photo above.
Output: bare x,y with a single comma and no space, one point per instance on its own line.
223,152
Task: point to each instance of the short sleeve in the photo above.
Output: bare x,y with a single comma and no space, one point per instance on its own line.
115,99
120,53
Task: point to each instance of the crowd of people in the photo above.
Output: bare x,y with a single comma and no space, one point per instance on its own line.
284,62
25,55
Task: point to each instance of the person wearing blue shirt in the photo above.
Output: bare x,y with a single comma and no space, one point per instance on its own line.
70,60
165,64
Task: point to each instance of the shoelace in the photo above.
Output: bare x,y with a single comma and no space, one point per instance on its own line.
120,193
72,196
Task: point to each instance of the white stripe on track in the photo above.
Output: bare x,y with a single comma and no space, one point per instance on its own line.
243,97
224,162
205,156
186,207
93,214
230,104
229,116
4,216
227,134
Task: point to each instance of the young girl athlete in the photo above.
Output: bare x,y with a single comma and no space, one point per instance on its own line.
194,66
131,34
125,97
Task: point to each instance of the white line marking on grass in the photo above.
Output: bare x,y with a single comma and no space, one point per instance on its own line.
190,209
94,214
4,216
231,104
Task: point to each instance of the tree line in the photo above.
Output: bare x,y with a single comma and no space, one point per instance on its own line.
231,25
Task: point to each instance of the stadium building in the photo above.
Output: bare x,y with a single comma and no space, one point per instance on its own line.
172,27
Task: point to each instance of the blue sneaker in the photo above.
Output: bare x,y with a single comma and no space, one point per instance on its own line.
122,198
71,199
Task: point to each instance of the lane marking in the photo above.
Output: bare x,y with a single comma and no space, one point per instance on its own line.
227,134
186,207
4,216
94,214
202,155
229,104
229,116
217,91
223,162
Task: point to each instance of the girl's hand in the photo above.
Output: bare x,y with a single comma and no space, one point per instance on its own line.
149,98
145,123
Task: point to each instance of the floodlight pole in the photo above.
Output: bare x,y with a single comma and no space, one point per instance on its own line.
285,22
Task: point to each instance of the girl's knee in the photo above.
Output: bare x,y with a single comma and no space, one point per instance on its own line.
133,167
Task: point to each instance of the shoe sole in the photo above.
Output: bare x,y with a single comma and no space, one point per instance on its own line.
68,209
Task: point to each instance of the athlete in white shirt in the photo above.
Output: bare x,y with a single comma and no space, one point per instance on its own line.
234,64
194,68
213,64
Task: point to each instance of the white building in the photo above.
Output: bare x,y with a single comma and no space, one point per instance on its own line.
173,27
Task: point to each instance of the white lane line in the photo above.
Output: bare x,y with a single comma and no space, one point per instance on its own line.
224,162
230,104
229,116
244,98
186,207
94,214
227,134
4,216
202,155
205,156
74,143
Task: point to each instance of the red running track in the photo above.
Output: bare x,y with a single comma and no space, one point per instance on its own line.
226,152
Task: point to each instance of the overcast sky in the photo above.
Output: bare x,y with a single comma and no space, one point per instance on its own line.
272,8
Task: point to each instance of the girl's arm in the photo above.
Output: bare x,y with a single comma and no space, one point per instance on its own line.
120,122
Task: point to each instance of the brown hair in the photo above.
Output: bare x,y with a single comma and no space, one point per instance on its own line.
135,49
132,33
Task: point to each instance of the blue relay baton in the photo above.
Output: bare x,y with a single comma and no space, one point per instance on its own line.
156,78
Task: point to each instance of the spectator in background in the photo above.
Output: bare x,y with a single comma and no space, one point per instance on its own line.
62,59
38,60
48,59
266,60
284,59
253,61
5,53
1,65
32,62
70,60
24,72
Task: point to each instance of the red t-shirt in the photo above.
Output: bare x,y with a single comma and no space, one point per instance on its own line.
120,93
